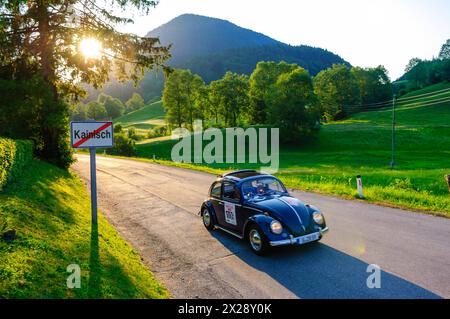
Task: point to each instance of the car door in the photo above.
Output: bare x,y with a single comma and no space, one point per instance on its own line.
231,206
215,195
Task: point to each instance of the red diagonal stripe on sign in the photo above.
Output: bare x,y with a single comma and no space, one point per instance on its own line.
101,128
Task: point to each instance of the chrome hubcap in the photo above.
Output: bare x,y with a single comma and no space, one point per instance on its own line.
255,240
206,218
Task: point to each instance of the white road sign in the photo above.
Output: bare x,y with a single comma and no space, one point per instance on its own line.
91,134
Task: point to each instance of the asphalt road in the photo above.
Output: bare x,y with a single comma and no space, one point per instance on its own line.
154,207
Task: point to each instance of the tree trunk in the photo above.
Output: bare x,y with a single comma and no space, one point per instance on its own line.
49,131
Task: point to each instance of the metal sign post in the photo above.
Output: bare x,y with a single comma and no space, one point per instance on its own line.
92,134
92,152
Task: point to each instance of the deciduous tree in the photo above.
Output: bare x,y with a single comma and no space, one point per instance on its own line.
291,106
43,38
135,102
335,88
179,96
264,75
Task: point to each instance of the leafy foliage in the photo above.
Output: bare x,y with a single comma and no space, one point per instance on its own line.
123,145
336,87
30,112
291,106
114,107
231,96
342,91
14,157
178,97
78,112
421,73
374,84
244,60
42,38
118,128
157,131
444,54
262,78
135,102
96,111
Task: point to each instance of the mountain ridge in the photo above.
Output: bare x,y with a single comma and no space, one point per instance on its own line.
211,46
187,29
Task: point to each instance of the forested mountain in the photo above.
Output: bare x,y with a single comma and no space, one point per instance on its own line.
193,35
210,47
243,60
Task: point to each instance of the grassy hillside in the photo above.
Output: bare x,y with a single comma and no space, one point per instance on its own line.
428,89
361,144
145,118
50,211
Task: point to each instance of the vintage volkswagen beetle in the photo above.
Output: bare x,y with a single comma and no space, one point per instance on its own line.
257,207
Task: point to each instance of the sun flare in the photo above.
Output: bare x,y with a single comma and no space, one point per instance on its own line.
91,48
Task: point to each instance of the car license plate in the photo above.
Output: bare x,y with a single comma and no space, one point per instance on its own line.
307,238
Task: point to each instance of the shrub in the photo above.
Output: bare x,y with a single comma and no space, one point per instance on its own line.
30,112
123,145
96,111
157,131
14,156
134,103
118,128
133,134
114,107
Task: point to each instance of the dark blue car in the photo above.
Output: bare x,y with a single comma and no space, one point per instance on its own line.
257,207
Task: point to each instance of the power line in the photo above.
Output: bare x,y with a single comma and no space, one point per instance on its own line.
405,102
400,100
434,92
429,103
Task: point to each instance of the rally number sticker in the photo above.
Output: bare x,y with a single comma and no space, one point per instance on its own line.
230,213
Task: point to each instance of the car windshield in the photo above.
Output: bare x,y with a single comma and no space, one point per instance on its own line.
262,187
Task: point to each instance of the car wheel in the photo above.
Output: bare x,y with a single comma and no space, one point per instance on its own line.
257,240
207,219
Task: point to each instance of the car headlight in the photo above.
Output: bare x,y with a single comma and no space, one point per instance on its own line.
318,218
275,227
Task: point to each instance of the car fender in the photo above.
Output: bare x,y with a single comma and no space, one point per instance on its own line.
311,212
208,205
263,221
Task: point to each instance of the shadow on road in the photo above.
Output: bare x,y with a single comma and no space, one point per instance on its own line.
320,271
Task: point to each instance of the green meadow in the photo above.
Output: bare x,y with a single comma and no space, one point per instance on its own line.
361,145
143,119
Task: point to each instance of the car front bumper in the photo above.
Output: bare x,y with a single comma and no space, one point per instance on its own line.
299,240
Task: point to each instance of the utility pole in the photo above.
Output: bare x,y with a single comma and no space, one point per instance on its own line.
393,132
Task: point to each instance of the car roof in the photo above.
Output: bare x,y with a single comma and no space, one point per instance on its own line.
241,175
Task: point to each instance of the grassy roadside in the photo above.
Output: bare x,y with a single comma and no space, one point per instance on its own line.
50,211
361,145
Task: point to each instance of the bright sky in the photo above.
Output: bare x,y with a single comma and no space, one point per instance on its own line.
364,32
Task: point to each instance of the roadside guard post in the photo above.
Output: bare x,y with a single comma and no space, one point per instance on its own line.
92,134
359,183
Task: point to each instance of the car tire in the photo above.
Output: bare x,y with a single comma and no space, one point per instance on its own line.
207,219
257,240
